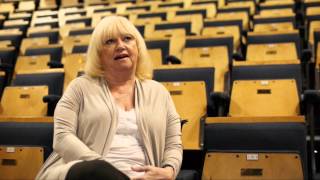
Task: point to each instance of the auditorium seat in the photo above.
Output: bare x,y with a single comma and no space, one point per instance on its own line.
31,42
276,37
206,11
7,8
23,159
233,31
8,57
32,63
24,147
154,14
80,31
249,4
23,15
73,44
54,50
20,24
192,108
26,6
228,14
192,24
284,4
267,27
182,83
70,3
314,26
46,31
258,19
13,35
53,78
267,118
211,56
47,20
271,52
36,137
96,17
73,65
23,101
47,4
170,6
138,8
164,46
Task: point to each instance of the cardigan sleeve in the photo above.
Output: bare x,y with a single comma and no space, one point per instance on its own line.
173,144
65,141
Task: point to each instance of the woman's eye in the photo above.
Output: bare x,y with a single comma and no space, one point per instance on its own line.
127,38
109,41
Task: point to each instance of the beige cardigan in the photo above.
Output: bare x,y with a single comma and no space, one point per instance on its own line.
85,121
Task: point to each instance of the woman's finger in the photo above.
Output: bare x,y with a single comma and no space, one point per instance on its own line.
140,168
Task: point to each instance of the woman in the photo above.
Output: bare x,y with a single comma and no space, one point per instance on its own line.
114,121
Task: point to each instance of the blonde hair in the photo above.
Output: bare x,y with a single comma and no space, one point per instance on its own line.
113,26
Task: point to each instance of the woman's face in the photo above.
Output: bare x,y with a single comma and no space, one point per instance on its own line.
120,54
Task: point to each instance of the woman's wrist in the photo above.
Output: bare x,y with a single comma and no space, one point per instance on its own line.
170,170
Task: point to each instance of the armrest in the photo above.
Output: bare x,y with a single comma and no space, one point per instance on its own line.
5,66
173,59
51,98
306,55
220,101
311,96
54,64
202,124
183,122
238,57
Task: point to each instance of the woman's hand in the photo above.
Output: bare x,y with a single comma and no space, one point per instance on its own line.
153,173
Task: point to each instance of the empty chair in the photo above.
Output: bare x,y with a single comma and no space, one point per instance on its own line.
191,107
24,147
25,160
271,52
32,63
8,57
26,6
54,50
20,24
228,13
275,16
268,118
218,27
206,11
13,35
73,44
278,26
52,34
182,83
189,26
163,48
23,101
277,4
276,37
47,4
52,78
210,56
32,42
70,3
73,65
45,21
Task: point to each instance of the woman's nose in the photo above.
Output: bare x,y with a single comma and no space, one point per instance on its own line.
120,44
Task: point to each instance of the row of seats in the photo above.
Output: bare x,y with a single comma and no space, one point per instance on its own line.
236,71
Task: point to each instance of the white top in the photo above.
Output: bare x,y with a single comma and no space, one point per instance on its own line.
126,148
